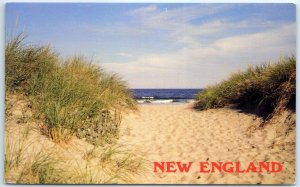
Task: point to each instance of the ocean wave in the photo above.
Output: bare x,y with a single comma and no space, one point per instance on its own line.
164,101
147,97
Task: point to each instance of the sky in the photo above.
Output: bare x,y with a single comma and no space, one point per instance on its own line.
161,45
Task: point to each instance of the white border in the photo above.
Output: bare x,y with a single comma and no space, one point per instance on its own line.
2,66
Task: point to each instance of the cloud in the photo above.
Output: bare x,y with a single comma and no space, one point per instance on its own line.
126,55
153,18
204,65
143,10
178,23
209,49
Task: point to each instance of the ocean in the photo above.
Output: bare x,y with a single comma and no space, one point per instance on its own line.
162,96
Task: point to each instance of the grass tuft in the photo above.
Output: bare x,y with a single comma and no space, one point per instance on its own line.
72,97
98,165
24,61
260,89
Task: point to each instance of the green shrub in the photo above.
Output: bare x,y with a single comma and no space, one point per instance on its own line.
23,61
67,98
71,97
259,88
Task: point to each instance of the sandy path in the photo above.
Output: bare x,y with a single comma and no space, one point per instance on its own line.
179,133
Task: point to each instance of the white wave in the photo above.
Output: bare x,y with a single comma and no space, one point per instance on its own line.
155,101
142,101
163,101
190,101
148,97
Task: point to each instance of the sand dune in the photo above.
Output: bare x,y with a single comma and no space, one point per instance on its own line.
179,133
176,133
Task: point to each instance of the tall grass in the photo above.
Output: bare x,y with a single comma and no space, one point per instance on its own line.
72,97
30,158
260,89
23,61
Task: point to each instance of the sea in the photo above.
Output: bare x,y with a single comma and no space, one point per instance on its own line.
164,96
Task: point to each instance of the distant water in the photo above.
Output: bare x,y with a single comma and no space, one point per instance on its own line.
165,95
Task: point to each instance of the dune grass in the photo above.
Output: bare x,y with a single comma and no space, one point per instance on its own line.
99,165
72,97
39,170
31,158
116,162
261,89
67,98
23,61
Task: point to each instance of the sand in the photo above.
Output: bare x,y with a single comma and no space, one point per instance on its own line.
176,133
180,133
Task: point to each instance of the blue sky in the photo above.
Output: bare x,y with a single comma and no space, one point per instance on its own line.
162,45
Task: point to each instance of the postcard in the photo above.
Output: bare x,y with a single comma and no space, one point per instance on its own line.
150,93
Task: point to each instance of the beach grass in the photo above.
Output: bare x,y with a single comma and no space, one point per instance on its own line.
67,98
264,89
72,97
99,165
24,61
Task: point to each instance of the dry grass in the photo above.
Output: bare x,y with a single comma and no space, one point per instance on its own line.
24,61
260,89
98,165
65,99
72,97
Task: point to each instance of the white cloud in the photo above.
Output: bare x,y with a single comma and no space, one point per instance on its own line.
126,55
203,65
143,10
178,23
153,18
208,51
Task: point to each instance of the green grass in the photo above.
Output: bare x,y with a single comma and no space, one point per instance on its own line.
23,61
261,89
72,97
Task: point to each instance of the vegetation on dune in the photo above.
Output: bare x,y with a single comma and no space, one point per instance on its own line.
66,97
31,158
99,165
264,90
72,97
23,61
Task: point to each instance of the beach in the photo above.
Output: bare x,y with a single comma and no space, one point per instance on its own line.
177,132
166,133
149,93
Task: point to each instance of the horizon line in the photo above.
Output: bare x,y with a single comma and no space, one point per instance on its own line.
166,88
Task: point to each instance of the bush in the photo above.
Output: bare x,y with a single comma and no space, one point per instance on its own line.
71,97
23,61
261,89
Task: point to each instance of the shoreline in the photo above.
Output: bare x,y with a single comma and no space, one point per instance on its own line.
164,104
165,101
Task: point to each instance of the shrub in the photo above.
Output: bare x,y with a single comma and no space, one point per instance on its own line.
71,97
23,61
261,89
